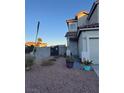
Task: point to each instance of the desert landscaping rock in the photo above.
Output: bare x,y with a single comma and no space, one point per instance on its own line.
59,79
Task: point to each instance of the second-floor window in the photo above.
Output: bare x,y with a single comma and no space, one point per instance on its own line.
72,27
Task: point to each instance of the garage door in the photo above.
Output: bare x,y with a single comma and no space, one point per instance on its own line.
94,49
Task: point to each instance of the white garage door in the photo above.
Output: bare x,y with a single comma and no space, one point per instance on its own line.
94,49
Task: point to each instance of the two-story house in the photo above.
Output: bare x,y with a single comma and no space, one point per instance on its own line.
83,34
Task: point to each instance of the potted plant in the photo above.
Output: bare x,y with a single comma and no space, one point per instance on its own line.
87,65
69,61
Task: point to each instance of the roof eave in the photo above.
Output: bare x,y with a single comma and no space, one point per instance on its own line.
92,9
86,29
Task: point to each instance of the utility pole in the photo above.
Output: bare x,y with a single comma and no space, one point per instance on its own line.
38,25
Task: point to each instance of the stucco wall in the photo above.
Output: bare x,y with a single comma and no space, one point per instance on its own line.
80,45
83,44
62,50
90,33
73,47
82,21
42,53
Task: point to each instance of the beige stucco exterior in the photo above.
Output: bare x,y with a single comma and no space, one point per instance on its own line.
82,21
87,44
84,43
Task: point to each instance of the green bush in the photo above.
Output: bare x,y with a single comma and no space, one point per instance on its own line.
29,49
29,60
87,62
53,59
47,63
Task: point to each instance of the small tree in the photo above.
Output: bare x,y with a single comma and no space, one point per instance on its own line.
39,39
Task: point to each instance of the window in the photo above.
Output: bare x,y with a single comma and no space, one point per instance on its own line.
72,27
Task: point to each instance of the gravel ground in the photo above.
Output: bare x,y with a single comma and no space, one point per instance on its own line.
58,78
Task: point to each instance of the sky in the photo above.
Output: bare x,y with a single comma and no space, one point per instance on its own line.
52,15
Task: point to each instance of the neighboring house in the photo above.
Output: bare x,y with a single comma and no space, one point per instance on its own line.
83,34
38,44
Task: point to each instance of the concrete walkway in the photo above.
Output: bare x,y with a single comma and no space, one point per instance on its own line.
58,78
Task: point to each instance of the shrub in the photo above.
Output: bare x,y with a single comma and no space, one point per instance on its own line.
47,63
29,49
29,60
56,57
87,62
53,59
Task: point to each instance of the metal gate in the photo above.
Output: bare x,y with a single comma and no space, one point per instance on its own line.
54,50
